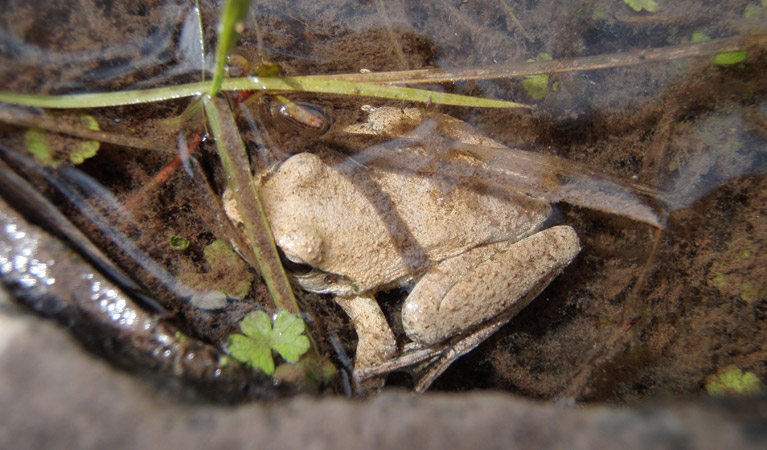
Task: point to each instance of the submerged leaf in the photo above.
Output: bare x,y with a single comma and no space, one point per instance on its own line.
50,150
728,59
37,142
178,243
537,86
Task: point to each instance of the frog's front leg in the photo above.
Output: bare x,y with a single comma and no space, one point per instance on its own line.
375,339
487,285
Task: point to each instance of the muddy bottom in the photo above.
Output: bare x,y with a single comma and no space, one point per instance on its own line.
643,311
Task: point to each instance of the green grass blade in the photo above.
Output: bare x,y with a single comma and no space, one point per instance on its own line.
280,84
232,17
330,86
103,99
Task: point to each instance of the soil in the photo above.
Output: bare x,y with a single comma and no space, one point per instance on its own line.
642,312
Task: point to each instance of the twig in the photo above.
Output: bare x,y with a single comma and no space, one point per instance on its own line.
523,69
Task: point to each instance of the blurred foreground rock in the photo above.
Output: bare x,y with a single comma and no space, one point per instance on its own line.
56,395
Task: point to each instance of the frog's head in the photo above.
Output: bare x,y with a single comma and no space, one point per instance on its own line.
306,255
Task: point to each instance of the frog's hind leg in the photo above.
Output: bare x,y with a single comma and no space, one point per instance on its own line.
464,300
467,343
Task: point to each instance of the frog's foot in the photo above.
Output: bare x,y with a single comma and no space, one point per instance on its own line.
376,342
429,363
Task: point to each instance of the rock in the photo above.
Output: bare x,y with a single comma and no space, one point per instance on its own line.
57,395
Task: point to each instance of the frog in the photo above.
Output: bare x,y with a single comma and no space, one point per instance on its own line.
358,225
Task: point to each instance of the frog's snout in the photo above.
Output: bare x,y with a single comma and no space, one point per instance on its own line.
301,246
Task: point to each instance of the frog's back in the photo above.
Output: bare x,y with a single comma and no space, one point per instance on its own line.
374,227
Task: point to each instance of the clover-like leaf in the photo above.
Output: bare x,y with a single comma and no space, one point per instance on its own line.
253,352
288,336
255,347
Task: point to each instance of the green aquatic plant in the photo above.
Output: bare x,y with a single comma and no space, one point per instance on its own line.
732,381
537,86
49,149
221,258
721,59
261,336
639,5
728,59
178,243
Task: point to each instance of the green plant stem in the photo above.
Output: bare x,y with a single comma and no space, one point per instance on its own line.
232,17
234,160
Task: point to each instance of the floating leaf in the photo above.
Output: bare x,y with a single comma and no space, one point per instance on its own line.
638,5
288,339
254,348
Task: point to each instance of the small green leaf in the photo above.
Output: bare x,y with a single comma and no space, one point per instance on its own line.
699,37
732,381
178,243
638,5
43,145
537,86
728,59
722,59
85,149
256,324
37,142
219,255
251,352
255,348
288,339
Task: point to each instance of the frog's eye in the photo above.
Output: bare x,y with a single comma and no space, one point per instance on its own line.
293,267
